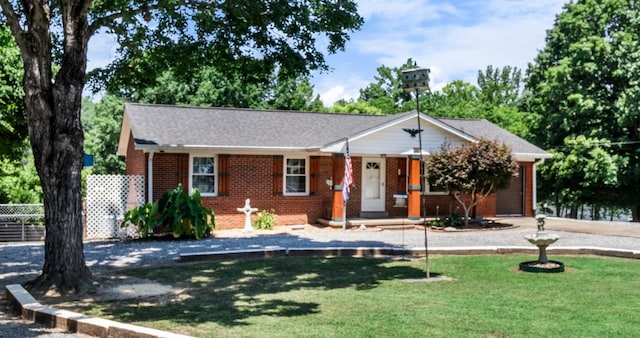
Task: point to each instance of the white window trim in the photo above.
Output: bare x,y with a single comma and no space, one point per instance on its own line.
306,175
215,173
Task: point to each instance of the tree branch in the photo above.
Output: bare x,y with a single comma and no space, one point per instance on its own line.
108,19
13,21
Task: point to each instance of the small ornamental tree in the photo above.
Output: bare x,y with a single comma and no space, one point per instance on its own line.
472,171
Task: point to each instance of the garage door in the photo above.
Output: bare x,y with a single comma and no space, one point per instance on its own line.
510,202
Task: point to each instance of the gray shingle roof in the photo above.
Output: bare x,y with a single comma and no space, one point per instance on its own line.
481,128
166,125
231,127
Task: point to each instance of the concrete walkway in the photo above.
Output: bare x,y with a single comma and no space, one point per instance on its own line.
625,229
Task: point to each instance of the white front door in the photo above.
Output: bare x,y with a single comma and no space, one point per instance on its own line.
373,184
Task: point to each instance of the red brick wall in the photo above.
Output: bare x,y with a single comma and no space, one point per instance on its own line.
165,173
136,160
251,176
396,180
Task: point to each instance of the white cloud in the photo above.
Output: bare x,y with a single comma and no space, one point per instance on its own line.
101,50
331,91
456,39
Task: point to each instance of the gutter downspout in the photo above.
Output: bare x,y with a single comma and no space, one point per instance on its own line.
150,177
535,184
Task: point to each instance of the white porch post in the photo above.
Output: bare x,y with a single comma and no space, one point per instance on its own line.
150,177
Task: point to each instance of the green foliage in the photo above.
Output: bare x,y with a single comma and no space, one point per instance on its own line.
582,173
19,181
496,98
208,86
472,171
13,121
452,220
355,107
176,212
247,39
585,83
101,123
266,219
499,87
386,93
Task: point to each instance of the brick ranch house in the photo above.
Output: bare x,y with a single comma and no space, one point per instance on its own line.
293,162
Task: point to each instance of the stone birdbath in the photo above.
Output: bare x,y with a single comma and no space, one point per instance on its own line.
542,240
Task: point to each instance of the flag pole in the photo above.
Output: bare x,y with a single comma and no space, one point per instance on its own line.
344,215
347,179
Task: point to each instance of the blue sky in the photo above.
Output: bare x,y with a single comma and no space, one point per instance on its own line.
454,39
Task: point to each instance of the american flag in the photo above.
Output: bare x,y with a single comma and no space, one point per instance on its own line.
348,175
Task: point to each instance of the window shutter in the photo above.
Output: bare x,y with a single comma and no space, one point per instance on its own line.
183,171
278,164
223,175
314,175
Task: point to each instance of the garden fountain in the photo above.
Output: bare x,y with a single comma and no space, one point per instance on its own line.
542,240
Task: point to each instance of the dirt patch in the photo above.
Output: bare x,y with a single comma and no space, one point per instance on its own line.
116,288
135,290
475,226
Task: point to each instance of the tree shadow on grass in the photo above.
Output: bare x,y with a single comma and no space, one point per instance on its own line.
230,293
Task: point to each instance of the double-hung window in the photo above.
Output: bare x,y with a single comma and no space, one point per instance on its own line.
296,178
203,174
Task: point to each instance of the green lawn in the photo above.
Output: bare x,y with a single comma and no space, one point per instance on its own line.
344,297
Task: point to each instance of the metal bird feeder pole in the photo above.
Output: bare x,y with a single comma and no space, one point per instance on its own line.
416,80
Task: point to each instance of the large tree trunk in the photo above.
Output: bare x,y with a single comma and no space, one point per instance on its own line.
55,131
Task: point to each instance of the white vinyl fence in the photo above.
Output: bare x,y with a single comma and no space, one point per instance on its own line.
108,199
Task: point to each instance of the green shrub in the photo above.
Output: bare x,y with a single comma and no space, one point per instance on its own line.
176,212
266,219
452,220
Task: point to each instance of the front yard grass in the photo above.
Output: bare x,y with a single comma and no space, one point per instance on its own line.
367,297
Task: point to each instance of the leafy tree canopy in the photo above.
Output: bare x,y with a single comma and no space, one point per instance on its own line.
582,172
249,39
386,92
207,86
356,107
13,122
102,134
585,82
19,181
496,97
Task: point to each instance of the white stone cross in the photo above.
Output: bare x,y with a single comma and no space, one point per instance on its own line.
247,209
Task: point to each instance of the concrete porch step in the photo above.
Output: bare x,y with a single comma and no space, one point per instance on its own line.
374,214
